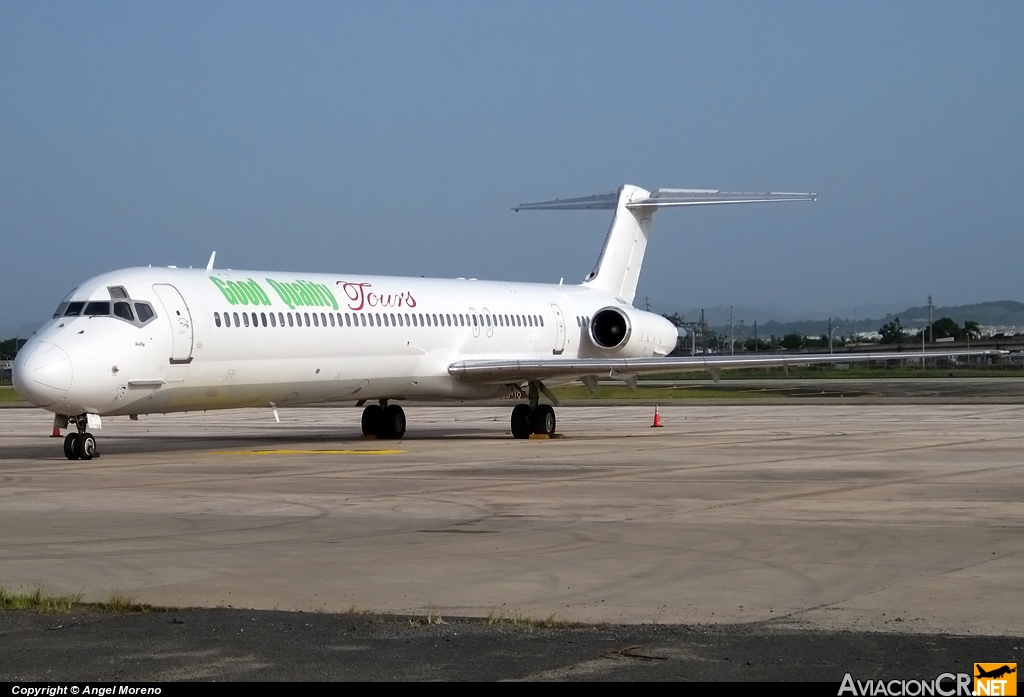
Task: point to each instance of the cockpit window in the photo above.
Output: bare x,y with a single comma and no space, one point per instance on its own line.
74,309
97,309
117,292
124,311
144,311
59,312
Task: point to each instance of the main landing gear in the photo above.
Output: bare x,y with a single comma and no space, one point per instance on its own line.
81,445
384,421
534,417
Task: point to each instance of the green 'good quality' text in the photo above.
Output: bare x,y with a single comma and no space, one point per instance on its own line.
294,294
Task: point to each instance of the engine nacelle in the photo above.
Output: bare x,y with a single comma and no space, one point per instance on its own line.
629,332
610,328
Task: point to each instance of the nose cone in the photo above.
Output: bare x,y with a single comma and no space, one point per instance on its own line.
42,373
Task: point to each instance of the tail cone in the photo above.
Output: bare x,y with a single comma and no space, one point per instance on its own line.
657,418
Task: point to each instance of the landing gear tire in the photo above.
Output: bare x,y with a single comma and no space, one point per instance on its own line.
71,446
373,415
86,446
392,423
543,420
521,427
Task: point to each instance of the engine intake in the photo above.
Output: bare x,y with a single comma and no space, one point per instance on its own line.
610,328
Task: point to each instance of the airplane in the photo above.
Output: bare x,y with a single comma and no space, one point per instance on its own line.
159,340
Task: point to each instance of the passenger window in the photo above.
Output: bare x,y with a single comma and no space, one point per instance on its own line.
401,322
263,318
216,318
255,320
273,320
245,318
316,320
97,309
422,323
332,319
448,320
227,320
306,315
362,319
386,320
433,320
392,319
124,311
145,312
529,319
473,317
540,318
348,322
323,320
237,323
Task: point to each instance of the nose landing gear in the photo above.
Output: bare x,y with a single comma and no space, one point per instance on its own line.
384,421
81,445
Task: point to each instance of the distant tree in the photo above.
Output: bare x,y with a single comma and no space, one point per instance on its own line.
675,318
9,348
892,332
793,341
945,328
756,345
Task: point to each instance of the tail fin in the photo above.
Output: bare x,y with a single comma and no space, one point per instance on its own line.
618,268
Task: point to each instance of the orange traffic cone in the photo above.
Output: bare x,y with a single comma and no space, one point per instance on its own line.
657,418
56,433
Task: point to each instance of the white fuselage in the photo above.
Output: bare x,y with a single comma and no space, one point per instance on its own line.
223,339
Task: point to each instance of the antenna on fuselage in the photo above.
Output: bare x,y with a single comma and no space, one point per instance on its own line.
209,264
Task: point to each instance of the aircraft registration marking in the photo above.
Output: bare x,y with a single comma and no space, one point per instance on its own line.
307,452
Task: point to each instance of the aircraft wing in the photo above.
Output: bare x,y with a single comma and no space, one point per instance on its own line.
501,371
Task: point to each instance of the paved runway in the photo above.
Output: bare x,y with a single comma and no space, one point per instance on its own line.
890,517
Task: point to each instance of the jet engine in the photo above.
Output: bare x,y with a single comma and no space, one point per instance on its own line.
610,328
629,332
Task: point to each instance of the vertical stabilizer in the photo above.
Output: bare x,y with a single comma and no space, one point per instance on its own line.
618,268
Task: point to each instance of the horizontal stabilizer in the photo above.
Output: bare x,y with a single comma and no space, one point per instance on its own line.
703,197
597,202
664,198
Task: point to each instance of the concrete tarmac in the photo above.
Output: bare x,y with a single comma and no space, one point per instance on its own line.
903,518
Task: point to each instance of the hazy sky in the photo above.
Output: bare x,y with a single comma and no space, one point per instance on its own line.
395,137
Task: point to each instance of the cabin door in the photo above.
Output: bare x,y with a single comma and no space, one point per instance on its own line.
560,329
180,319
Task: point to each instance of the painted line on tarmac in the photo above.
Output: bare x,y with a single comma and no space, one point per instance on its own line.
307,452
